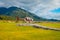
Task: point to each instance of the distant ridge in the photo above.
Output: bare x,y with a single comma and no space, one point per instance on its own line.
15,11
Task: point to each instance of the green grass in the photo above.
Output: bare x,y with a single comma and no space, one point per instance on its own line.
51,24
10,31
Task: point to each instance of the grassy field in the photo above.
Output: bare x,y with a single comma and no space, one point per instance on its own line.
10,31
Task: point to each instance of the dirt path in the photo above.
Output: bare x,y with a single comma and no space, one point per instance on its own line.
39,26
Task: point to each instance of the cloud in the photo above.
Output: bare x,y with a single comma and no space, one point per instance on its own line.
41,8
1,3
44,10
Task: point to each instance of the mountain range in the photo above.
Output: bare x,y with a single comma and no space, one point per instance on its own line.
12,12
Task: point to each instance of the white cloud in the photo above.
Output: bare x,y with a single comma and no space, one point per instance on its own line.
43,10
39,7
1,3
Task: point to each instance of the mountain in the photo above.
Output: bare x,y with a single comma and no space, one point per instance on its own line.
11,13
3,10
53,20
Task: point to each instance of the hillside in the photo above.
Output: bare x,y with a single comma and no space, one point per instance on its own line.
15,11
11,13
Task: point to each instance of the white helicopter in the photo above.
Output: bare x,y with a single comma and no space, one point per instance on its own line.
26,19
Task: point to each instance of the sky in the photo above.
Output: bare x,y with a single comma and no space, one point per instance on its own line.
43,8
